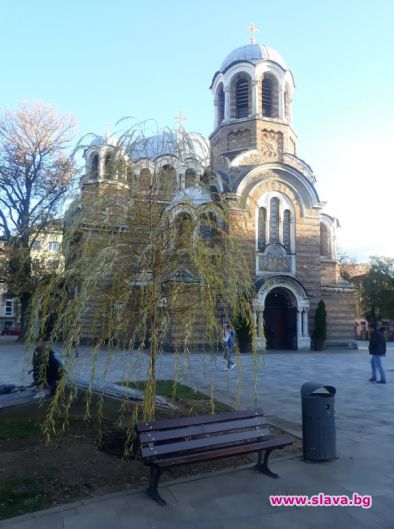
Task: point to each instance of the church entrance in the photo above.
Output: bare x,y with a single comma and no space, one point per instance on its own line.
280,319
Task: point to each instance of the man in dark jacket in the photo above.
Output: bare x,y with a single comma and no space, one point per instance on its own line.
377,349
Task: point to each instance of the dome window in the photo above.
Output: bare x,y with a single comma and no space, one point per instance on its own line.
242,98
95,165
169,178
108,166
270,96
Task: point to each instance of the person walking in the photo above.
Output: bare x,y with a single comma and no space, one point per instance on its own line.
229,339
377,349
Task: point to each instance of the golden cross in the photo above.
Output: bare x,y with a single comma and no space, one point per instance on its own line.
253,29
179,118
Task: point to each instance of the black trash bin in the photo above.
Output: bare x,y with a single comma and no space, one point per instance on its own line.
318,421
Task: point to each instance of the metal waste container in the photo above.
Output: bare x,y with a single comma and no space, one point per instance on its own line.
318,421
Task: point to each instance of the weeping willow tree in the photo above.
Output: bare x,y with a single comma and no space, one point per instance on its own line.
155,260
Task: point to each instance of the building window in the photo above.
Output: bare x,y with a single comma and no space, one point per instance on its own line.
8,307
270,96
242,98
325,241
210,232
262,220
274,220
36,245
286,230
95,165
221,104
54,246
183,231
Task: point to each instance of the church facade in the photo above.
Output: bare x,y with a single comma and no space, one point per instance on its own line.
253,155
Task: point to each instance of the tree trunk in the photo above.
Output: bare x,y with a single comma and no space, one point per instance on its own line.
25,302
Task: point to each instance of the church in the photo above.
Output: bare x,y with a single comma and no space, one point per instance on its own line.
253,156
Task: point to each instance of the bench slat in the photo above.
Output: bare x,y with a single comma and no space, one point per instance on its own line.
205,442
220,453
158,435
191,421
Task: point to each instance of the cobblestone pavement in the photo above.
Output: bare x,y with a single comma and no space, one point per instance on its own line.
365,438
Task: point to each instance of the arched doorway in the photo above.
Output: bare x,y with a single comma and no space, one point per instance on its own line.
281,310
280,319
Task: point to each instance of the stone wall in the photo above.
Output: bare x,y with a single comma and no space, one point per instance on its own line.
270,137
340,306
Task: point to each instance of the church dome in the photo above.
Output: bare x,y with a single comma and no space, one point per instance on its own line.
254,53
171,143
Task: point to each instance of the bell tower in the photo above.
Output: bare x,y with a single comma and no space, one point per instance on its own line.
253,93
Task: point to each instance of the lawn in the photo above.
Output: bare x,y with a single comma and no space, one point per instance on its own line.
192,401
84,461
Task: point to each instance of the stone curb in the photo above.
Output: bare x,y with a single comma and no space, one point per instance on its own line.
131,492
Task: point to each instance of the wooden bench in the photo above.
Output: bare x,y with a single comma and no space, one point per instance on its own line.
173,442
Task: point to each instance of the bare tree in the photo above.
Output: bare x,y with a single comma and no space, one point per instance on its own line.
35,176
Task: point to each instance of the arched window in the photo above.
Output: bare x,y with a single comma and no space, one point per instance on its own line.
183,231
325,241
210,232
270,96
262,220
274,220
95,165
145,179
108,166
190,178
168,178
221,104
286,230
242,98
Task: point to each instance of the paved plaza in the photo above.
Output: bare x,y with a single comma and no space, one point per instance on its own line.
365,440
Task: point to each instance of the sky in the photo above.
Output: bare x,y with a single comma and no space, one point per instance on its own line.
100,61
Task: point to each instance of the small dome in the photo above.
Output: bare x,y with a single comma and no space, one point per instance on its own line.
253,53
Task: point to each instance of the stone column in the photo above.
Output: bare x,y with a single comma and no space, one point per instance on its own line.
299,323
216,114
303,339
227,114
255,94
305,326
259,322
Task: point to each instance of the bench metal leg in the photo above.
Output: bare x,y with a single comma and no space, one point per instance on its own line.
155,473
263,466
